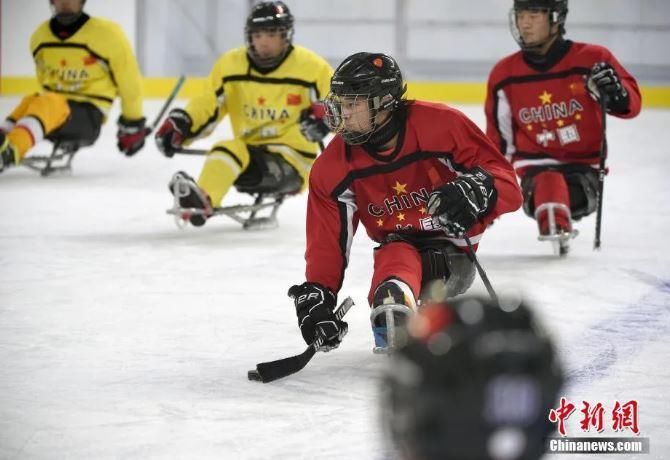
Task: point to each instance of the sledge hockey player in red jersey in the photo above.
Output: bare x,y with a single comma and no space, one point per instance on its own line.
418,176
269,88
543,111
82,64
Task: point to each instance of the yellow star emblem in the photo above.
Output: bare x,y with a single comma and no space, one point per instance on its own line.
423,210
560,123
578,117
545,97
380,222
399,188
401,217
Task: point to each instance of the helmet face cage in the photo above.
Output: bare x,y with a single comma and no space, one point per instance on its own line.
269,17
343,115
557,11
363,86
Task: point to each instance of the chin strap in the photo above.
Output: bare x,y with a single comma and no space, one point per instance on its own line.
385,132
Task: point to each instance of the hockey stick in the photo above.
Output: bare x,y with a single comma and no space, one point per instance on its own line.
202,152
601,170
167,103
273,370
473,258
196,152
482,274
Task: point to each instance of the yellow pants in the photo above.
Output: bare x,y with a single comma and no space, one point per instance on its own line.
224,163
228,159
36,117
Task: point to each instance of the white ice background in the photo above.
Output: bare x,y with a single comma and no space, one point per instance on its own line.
124,337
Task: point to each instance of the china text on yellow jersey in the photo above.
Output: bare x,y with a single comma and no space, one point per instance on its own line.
94,65
264,108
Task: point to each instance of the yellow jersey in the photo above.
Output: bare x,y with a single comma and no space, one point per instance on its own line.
264,108
94,65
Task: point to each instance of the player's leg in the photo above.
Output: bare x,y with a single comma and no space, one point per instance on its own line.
301,162
583,189
82,127
32,120
8,123
447,271
395,284
268,172
546,198
224,163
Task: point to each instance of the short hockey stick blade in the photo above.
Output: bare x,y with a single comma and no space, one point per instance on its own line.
274,370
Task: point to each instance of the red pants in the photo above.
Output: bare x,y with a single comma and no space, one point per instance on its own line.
551,187
397,260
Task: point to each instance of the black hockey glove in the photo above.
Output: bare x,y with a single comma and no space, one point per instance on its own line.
314,305
604,80
312,125
173,132
130,135
457,205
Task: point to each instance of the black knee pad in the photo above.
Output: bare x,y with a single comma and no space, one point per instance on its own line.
582,181
447,272
268,173
82,128
583,189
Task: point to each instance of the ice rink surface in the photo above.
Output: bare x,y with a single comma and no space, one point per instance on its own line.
124,337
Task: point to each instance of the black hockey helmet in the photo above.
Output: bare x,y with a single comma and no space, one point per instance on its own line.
375,77
557,10
475,381
269,16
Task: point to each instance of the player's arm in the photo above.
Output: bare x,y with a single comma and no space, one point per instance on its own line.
127,75
198,119
331,224
474,149
209,107
609,77
323,80
131,129
491,110
35,40
312,124
486,188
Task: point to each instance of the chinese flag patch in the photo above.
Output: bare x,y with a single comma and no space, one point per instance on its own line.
90,60
293,99
577,88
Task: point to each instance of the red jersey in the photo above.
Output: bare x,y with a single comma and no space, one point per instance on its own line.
388,193
547,117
